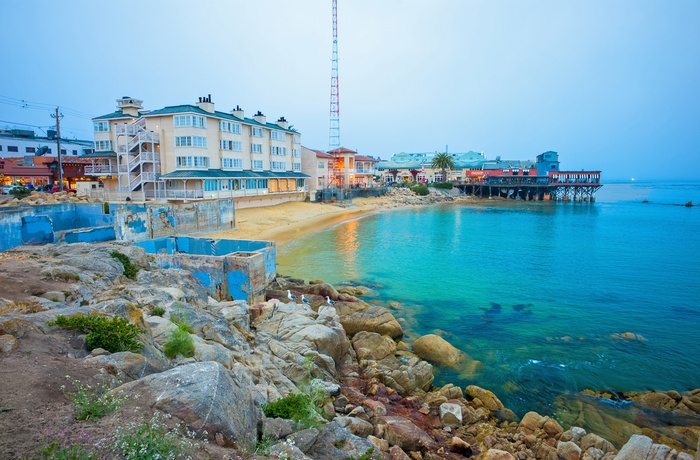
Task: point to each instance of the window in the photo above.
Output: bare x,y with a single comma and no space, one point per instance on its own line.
232,163
63,151
101,146
189,120
212,185
257,164
30,149
300,183
278,150
12,148
235,146
256,132
297,139
251,183
278,136
75,152
279,165
192,162
228,127
321,165
101,126
256,148
296,166
0,148
296,153
190,141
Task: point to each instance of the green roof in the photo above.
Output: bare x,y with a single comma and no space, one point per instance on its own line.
107,154
189,108
117,114
219,174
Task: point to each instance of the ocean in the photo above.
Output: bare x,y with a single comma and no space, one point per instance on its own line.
538,294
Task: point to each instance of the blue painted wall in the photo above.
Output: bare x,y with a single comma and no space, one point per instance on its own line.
91,235
37,230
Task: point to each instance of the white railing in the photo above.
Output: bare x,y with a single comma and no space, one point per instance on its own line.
100,170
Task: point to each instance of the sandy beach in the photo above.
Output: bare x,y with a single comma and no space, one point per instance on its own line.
285,222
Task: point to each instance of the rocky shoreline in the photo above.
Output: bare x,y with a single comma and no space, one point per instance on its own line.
379,393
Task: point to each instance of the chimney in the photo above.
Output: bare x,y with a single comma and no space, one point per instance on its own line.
237,112
129,106
259,117
282,123
206,104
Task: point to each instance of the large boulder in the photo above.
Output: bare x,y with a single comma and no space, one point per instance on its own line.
370,345
402,432
437,350
205,397
337,443
132,365
373,319
491,402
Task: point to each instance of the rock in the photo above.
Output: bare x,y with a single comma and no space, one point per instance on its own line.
497,454
636,448
451,415
7,343
403,376
400,431
396,453
334,443
54,296
277,428
373,319
374,408
437,350
568,451
490,401
305,439
323,290
382,445
460,446
132,365
355,425
370,345
205,397
593,440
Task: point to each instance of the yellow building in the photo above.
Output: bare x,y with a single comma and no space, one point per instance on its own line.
193,152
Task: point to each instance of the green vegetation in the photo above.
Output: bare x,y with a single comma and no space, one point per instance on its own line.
141,440
180,342
130,269
158,311
91,403
444,162
66,276
303,407
20,192
421,190
445,185
105,207
366,456
113,334
264,444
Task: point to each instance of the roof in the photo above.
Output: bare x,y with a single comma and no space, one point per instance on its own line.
471,159
189,108
104,154
510,164
341,150
117,114
219,174
364,158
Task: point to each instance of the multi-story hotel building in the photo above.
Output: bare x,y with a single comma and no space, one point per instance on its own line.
194,152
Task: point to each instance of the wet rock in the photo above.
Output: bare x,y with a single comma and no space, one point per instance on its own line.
486,397
436,350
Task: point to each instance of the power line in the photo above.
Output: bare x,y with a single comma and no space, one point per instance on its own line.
24,104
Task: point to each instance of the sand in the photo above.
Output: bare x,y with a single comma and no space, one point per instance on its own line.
285,222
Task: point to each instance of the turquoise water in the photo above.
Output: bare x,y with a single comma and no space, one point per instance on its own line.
536,291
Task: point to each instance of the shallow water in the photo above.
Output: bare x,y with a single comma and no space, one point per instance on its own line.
536,291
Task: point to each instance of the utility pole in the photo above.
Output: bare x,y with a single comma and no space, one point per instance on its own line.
58,146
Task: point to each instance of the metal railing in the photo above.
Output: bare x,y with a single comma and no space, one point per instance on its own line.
101,170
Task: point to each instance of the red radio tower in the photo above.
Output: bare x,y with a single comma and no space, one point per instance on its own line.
334,138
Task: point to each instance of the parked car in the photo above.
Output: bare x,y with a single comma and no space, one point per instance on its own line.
7,189
56,189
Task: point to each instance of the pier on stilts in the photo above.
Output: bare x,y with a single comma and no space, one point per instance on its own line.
557,186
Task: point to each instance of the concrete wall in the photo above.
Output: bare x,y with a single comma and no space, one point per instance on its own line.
141,222
229,269
269,200
52,223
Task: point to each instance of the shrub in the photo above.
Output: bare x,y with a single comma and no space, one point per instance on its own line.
151,439
158,311
421,190
130,269
180,342
91,403
445,185
20,192
113,334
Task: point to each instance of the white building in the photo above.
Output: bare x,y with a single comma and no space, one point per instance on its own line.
193,152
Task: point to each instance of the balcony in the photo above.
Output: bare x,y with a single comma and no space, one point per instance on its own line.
101,170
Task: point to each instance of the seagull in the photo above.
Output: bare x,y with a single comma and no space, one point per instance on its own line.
290,295
304,299
330,302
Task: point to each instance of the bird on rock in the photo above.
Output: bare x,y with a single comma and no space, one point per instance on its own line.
304,299
330,302
290,295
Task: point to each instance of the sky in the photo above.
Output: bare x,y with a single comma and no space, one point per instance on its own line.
611,85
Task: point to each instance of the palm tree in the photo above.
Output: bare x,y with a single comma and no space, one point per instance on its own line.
443,161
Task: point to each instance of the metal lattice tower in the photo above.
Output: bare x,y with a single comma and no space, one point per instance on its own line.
334,137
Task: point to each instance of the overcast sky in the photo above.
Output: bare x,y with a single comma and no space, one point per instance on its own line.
609,84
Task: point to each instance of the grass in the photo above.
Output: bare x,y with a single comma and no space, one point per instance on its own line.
113,334
66,276
158,311
130,269
180,342
21,307
90,402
